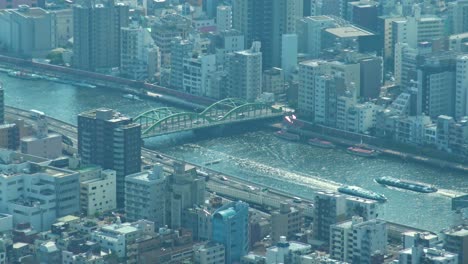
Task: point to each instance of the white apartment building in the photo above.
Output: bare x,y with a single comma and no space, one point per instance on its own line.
145,196
227,42
245,73
209,253
422,255
116,237
139,57
413,129
223,18
308,70
461,87
97,191
459,42
287,252
38,194
197,71
356,241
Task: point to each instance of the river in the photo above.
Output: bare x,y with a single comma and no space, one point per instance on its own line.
262,158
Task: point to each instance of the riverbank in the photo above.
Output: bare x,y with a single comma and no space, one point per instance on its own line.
435,162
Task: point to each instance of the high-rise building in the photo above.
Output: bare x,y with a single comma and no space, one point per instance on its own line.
165,30
145,196
357,241
308,70
111,140
461,88
265,21
96,34
436,86
28,31
423,28
459,16
197,70
329,209
180,50
289,54
42,144
139,57
226,42
287,221
231,228
223,18
309,31
456,241
364,14
9,136
245,73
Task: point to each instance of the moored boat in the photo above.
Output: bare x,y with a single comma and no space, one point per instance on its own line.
361,192
286,135
408,185
24,75
320,143
363,152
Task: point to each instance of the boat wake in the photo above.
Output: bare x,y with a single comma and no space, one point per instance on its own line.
450,193
307,180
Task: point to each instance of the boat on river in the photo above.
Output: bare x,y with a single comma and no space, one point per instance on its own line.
24,75
407,185
321,143
361,192
362,151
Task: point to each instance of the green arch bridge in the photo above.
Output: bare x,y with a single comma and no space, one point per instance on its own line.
166,120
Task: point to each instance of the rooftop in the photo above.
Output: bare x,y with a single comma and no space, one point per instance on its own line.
349,32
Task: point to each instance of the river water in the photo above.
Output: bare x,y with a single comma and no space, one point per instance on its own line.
262,158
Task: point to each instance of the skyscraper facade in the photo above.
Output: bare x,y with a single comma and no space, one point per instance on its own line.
265,21
96,34
111,140
230,228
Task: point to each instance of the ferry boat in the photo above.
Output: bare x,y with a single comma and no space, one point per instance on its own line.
24,75
321,143
408,185
362,151
360,192
286,135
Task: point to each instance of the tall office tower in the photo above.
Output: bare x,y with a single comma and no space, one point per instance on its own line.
459,16
209,7
2,104
436,86
231,228
461,89
265,21
145,196
139,57
223,18
245,73
111,140
364,14
226,42
356,241
96,34
406,62
181,49
336,8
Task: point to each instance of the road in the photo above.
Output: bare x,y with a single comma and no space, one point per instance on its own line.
216,180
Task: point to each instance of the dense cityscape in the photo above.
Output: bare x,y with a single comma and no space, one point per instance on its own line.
234,131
